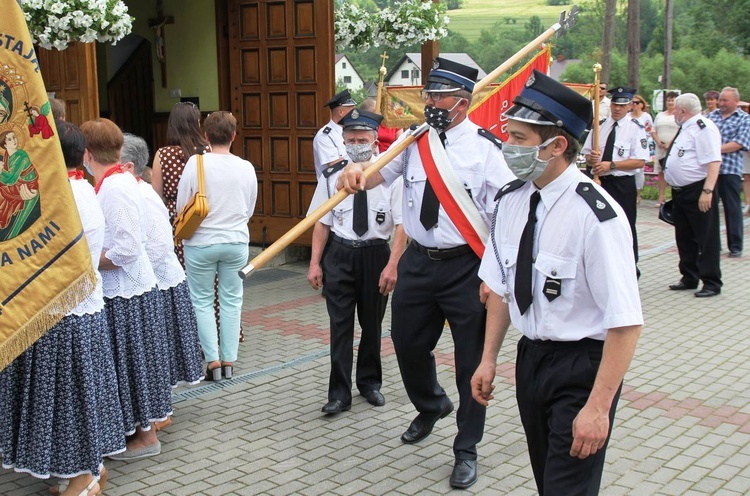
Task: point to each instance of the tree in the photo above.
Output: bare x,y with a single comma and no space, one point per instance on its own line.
534,27
608,34
634,42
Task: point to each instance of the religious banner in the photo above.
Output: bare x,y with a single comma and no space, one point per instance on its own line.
45,264
487,110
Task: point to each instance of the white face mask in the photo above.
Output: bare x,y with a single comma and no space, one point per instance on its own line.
524,161
359,152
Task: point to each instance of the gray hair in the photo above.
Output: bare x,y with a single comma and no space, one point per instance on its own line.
134,149
688,102
734,91
368,104
371,131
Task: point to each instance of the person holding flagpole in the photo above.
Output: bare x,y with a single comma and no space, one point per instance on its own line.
450,178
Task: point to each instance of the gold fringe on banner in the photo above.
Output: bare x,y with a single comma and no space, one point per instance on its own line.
47,317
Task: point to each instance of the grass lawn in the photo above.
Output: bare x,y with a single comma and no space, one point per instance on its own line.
483,14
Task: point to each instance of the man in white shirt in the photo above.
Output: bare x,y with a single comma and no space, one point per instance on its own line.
560,268
358,269
328,144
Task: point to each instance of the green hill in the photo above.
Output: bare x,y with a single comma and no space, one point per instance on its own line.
483,14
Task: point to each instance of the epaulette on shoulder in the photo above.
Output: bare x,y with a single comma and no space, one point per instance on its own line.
413,127
701,124
488,134
639,123
511,186
599,205
327,130
602,121
333,168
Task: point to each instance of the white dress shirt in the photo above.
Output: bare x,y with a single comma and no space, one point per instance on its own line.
231,191
159,241
592,259
92,219
383,203
328,146
124,238
477,162
630,142
694,148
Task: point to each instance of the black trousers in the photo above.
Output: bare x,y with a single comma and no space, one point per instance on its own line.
553,382
351,281
624,191
429,292
730,187
697,236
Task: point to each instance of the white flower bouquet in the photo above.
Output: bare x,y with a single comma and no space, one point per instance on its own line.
408,22
56,23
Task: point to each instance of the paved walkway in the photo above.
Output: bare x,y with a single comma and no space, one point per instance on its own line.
682,427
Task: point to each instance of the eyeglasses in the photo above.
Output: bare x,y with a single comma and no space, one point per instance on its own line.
435,97
638,102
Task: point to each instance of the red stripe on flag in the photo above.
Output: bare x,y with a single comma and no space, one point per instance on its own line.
450,205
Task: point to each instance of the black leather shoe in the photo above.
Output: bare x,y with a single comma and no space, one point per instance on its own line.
422,425
335,406
705,293
374,397
681,286
735,254
464,473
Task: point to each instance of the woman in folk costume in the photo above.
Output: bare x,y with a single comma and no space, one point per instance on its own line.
59,408
185,360
133,304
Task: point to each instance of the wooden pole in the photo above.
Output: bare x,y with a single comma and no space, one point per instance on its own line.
411,136
595,128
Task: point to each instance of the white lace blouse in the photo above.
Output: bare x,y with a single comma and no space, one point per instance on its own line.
124,238
92,219
159,241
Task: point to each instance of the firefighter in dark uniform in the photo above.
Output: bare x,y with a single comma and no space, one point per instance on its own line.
358,269
560,266
692,170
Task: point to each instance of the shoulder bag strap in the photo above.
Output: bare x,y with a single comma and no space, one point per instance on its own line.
201,187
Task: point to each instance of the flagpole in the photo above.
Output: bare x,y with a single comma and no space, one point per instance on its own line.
595,129
381,77
411,136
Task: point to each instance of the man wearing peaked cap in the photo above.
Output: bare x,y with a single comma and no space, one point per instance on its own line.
358,269
328,144
554,264
622,150
437,275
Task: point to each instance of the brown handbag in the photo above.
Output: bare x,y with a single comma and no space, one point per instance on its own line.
192,214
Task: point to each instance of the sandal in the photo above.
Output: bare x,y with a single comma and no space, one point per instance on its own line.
62,484
93,484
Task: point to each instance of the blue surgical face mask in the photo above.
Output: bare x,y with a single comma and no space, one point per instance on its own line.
524,161
88,169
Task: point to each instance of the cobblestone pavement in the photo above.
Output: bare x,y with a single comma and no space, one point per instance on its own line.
682,426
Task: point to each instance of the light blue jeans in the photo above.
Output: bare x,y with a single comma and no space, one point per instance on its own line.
202,263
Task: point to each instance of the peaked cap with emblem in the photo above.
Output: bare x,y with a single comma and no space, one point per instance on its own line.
622,95
343,99
361,120
447,76
546,102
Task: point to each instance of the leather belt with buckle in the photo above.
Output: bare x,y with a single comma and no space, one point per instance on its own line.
441,254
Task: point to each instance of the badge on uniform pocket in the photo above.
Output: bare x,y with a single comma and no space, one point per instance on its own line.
644,143
380,217
621,152
552,288
681,152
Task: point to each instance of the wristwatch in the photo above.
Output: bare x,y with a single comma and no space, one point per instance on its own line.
708,191
611,166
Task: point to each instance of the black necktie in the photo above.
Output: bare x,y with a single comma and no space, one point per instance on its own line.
359,219
609,147
669,150
428,215
525,256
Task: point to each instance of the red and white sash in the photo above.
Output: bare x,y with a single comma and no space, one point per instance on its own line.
450,191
